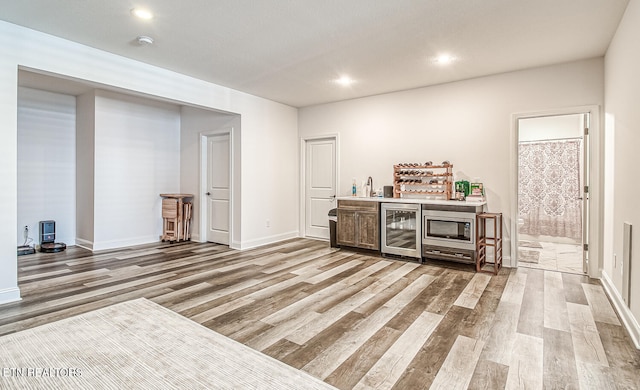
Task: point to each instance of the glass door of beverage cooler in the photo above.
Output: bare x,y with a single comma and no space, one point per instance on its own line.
401,229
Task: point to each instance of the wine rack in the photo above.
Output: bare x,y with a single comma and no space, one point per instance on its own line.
415,180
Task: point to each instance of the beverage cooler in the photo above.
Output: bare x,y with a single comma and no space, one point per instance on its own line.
401,229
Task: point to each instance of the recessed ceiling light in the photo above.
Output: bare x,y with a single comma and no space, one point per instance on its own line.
142,13
444,59
345,81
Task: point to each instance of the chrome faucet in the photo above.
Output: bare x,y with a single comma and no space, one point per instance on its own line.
370,184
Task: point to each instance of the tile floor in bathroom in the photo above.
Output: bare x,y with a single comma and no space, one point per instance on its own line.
550,256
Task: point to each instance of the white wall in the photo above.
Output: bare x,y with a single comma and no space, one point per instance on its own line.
468,123
622,94
46,163
137,157
269,132
9,290
128,152
85,167
266,165
270,176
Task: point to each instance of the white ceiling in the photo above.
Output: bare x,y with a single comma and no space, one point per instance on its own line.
290,51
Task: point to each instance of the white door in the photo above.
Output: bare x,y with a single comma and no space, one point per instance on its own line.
320,185
218,183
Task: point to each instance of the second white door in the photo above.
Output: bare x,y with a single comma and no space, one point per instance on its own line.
218,188
320,187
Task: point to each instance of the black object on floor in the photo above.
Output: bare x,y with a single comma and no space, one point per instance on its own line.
53,247
25,250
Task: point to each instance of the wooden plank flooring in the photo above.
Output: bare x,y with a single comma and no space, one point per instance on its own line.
355,320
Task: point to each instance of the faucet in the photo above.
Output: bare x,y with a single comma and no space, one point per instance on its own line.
370,185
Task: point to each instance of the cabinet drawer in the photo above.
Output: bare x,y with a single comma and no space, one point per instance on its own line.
363,205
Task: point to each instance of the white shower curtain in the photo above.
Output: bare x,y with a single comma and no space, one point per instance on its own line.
549,188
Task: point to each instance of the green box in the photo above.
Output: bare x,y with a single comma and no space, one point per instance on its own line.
463,186
477,189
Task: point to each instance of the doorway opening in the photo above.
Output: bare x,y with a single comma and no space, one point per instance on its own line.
552,179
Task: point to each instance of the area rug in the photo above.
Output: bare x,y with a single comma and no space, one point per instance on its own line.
138,345
528,256
530,244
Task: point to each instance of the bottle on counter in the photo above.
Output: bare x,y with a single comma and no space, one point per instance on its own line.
354,188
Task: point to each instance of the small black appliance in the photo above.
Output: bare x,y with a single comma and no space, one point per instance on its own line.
48,238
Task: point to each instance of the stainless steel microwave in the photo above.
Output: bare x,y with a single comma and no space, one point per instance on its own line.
451,229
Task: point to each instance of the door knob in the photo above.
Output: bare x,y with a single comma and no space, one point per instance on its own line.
208,193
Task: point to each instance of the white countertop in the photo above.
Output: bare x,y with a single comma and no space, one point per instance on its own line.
413,200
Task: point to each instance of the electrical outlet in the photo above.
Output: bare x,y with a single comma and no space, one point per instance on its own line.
268,223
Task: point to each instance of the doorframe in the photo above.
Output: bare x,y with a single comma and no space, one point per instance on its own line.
302,223
596,188
203,168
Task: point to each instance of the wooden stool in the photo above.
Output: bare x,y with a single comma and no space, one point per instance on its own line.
482,241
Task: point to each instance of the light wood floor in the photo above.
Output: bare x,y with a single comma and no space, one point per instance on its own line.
551,256
352,319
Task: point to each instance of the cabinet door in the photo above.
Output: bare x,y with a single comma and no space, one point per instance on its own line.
346,234
368,230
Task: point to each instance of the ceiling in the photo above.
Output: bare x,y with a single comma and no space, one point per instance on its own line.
292,51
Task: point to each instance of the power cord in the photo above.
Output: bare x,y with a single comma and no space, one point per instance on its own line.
27,240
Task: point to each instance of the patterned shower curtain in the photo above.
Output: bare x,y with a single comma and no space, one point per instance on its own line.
549,188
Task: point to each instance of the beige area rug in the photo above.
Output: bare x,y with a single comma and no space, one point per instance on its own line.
528,256
138,345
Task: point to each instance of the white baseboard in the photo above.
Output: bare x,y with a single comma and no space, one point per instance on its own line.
316,238
9,295
265,241
623,310
115,244
86,244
